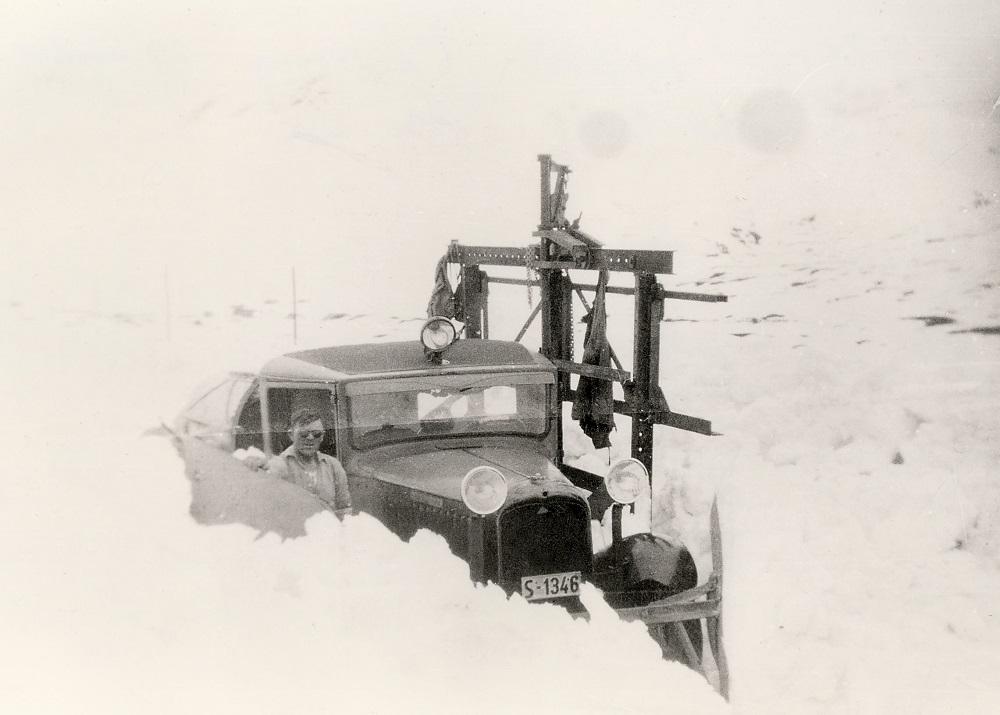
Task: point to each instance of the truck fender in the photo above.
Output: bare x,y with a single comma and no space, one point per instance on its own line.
642,568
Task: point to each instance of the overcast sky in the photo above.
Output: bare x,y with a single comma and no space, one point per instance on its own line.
226,144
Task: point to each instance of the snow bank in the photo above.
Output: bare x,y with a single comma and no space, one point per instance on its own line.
856,464
857,468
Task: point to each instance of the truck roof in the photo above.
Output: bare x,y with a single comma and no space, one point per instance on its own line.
349,361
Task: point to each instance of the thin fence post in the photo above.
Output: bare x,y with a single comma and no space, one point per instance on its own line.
166,298
295,311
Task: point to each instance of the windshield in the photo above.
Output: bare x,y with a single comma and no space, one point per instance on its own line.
437,410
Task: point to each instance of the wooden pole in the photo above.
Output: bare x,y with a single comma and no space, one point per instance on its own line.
166,298
295,311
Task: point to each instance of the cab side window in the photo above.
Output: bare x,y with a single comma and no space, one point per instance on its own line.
283,401
249,426
210,410
211,416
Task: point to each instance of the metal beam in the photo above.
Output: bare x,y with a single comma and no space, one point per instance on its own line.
671,613
684,422
595,371
684,295
692,656
595,259
612,259
515,281
619,290
492,255
666,418
622,290
528,322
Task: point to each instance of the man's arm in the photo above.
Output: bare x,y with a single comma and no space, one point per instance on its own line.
277,467
341,490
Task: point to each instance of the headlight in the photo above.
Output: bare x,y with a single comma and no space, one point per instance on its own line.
484,490
626,481
437,334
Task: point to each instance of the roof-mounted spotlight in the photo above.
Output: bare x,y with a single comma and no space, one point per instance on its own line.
437,334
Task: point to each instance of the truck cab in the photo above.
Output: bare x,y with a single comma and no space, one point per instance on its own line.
465,445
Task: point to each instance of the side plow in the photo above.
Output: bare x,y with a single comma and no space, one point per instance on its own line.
701,603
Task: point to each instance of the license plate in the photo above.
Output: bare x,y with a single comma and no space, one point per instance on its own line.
550,585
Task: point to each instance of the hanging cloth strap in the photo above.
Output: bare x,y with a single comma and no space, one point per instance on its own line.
594,406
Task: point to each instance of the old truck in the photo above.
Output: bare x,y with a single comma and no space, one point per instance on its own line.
463,435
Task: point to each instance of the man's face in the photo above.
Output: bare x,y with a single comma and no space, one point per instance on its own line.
306,438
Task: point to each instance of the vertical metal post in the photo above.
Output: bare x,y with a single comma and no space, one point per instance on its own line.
557,321
335,417
616,523
472,301
265,418
643,352
556,324
566,321
485,302
655,319
653,366
477,550
545,217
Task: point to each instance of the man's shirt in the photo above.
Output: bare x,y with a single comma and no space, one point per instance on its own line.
324,478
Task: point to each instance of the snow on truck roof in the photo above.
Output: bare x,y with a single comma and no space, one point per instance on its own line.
344,361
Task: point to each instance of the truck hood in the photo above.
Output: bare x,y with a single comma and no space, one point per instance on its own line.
440,472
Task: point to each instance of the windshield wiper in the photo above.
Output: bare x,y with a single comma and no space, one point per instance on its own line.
444,447
476,383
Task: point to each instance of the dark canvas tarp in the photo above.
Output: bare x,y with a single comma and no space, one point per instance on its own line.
442,300
594,405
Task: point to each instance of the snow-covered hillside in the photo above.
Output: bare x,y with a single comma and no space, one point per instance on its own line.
856,388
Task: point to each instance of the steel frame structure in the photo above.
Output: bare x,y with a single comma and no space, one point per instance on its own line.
562,247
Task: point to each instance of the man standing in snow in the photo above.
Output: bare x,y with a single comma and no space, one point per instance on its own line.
304,465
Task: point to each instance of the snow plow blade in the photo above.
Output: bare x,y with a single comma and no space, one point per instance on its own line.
702,602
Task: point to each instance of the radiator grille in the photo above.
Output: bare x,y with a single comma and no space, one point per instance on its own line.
544,536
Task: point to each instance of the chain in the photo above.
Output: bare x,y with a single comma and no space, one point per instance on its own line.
529,275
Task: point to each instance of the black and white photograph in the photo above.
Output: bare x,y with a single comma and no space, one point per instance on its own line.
461,357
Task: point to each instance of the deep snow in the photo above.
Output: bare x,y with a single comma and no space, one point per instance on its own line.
119,602
856,470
